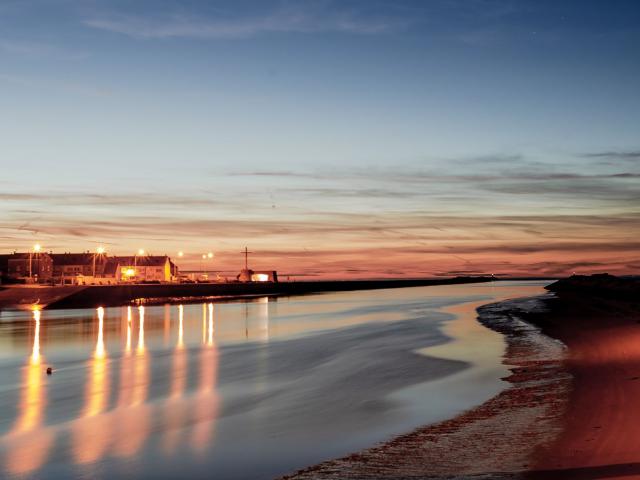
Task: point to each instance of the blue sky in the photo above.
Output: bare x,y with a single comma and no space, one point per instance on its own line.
452,130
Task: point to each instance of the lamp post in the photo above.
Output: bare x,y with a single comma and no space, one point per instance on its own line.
99,251
135,261
205,256
36,250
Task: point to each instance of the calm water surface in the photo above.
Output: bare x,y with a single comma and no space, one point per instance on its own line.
248,389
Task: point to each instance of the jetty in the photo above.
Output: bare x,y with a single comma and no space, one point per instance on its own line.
92,296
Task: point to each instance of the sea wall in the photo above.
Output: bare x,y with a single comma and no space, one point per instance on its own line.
113,295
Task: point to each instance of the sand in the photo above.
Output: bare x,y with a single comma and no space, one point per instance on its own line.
599,438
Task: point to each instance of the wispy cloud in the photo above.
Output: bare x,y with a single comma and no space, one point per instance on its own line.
362,222
630,155
311,17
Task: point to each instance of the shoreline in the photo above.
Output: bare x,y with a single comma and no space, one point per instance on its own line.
496,439
570,412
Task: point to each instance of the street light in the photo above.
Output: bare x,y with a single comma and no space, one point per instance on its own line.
205,256
99,251
36,249
135,259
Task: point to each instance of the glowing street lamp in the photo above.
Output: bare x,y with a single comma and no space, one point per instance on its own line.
99,251
36,249
141,253
205,256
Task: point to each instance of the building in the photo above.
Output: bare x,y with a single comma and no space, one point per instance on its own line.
79,268
145,268
27,267
248,275
85,268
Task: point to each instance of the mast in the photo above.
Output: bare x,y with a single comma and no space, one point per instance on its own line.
246,258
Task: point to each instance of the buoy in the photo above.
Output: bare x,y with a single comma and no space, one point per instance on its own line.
49,370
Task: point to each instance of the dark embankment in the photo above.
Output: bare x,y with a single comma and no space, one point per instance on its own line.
598,318
594,287
25,297
113,295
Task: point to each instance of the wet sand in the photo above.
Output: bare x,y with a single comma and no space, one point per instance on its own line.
572,411
600,437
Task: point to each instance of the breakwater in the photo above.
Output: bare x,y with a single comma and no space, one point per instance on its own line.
114,295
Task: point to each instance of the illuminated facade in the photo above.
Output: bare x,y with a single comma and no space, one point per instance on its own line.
248,275
86,268
147,268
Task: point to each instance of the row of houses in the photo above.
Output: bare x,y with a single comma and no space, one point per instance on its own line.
86,268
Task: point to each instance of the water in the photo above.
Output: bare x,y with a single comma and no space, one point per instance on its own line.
251,389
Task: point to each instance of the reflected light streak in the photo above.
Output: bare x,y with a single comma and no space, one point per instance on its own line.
28,443
210,333
263,319
204,323
141,330
34,403
133,415
207,401
167,323
35,351
92,432
128,341
180,326
100,351
175,408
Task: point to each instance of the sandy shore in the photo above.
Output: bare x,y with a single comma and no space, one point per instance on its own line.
599,436
572,410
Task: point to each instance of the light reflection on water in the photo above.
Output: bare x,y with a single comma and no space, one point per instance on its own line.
28,441
250,389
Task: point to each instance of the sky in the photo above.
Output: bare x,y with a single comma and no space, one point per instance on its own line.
335,139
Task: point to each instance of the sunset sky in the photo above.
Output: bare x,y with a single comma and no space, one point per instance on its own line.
334,138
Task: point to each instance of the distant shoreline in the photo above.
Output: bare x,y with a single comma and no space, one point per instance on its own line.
59,297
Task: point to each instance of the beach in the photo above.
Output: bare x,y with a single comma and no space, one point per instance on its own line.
571,410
